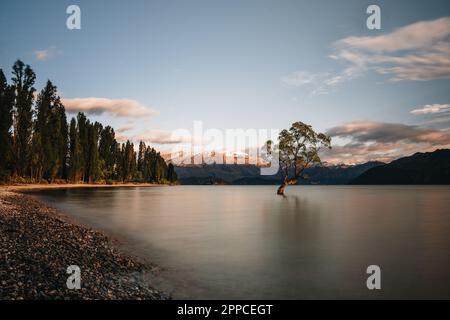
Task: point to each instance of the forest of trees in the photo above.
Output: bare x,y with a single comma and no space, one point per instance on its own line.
38,144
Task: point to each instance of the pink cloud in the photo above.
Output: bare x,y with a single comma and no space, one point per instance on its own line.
114,107
381,141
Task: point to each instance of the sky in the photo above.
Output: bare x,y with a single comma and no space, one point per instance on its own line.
150,68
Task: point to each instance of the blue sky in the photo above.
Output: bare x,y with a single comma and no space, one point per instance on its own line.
244,64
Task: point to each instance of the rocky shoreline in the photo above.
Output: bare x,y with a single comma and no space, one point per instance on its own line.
38,244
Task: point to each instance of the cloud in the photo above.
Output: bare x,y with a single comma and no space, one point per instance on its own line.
114,107
382,141
370,131
432,108
443,121
384,152
318,82
160,137
435,115
126,127
301,78
419,35
43,55
322,82
120,137
417,52
179,138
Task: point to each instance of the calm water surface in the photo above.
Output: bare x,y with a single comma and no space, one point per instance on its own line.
246,242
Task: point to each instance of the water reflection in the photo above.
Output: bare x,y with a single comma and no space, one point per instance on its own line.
246,242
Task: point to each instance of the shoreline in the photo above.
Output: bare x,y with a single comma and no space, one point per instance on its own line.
38,243
18,187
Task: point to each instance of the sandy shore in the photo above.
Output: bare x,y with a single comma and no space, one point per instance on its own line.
38,243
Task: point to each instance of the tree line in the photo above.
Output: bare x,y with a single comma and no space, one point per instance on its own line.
38,144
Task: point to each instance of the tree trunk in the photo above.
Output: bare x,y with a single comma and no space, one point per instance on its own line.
286,182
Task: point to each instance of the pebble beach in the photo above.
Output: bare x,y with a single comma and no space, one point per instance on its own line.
38,243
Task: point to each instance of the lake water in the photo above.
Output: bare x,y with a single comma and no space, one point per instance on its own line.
245,242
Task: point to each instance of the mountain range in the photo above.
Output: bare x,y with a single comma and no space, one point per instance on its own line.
420,168
250,174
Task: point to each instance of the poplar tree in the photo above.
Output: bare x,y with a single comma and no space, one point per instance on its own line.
75,170
44,147
83,127
6,122
171,174
108,152
23,81
93,172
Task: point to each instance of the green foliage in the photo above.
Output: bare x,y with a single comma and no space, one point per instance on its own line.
6,121
23,81
108,152
49,144
298,149
171,174
45,148
75,170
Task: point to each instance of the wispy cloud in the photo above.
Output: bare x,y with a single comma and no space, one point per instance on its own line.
419,35
432,108
416,52
176,137
371,131
46,54
322,82
382,141
115,107
420,51
302,78
126,127
160,137
176,140
317,82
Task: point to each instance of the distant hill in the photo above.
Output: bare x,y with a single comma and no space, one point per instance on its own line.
420,168
250,174
339,174
214,173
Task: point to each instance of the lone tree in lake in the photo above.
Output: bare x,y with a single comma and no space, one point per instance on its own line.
298,149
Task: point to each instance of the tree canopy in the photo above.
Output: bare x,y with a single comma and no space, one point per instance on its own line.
37,143
297,149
